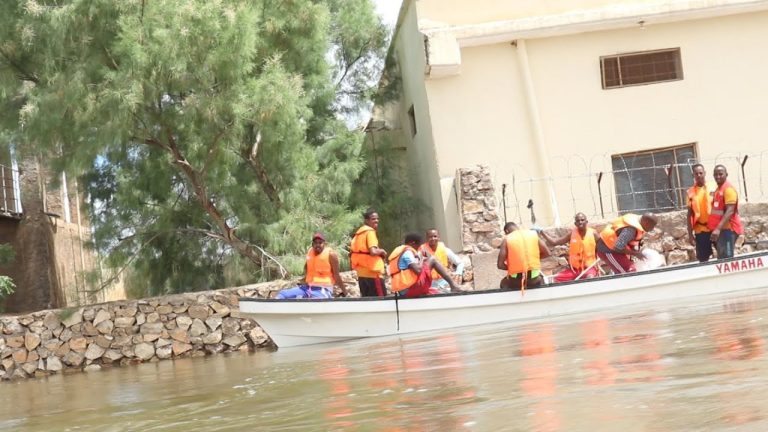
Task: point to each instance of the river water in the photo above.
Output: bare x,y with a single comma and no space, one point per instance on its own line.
655,367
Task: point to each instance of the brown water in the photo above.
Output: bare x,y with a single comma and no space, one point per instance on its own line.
657,367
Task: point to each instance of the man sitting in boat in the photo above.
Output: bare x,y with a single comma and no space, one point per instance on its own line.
582,253
412,273
321,273
620,241
435,248
520,255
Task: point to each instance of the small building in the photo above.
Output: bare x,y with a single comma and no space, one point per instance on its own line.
49,230
598,106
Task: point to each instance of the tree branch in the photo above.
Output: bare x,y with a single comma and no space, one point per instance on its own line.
251,154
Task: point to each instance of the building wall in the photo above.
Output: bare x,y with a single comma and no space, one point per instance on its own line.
428,182
457,12
480,116
54,267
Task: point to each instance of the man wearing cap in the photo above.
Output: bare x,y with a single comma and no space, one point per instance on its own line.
321,273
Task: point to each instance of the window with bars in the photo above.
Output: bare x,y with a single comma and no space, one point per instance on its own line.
653,180
647,67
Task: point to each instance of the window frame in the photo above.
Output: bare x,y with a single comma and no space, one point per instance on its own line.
678,183
679,76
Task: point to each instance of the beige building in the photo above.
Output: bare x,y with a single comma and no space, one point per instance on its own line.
598,106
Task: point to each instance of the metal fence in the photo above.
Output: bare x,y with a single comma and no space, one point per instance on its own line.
603,186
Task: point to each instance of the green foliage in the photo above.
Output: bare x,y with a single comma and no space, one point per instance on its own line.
65,313
7,286
209,132
384,187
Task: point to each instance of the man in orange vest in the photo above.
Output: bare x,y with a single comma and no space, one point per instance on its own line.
520,255
699,205
321,273
582,252
412,273
724,220
434,247
620,241
367,257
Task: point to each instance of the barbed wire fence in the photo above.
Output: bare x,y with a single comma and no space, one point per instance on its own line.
603,186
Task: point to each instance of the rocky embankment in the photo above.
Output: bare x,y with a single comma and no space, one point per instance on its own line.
133,331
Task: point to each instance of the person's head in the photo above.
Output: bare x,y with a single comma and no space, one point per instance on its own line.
699,174
318,242
413,239
371,218
509,227
433,237
720,174
648,221
580,220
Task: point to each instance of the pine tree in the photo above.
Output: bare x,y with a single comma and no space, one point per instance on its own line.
209,132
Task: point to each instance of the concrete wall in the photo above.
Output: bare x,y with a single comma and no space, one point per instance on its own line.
458,12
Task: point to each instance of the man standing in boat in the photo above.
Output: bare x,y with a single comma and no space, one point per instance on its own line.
520,255
367,257
582,252
435,248
620,241
321,273
724,220
699,206
411,273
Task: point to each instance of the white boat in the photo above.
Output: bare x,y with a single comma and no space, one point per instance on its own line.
305,322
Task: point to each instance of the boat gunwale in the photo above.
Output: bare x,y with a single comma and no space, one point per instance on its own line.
389,298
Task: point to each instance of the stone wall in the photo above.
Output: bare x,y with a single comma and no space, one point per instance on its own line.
130,331
481,228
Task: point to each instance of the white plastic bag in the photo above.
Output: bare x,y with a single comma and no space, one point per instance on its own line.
651,260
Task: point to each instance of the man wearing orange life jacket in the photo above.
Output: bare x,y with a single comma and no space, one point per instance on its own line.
367,258
724,220
582,252
411,273
520,255
321,273
434,247
620,240
699,205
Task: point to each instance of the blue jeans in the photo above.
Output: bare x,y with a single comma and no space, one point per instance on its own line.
725,244
304,291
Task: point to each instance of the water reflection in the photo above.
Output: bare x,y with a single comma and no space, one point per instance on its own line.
412,385
663,367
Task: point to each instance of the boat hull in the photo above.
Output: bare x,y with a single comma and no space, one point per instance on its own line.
306,322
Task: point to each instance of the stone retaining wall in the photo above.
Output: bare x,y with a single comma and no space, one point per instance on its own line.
130,331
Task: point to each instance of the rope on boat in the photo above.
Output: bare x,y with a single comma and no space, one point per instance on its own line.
397,310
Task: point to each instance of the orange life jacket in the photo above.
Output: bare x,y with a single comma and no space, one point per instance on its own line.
718,210
319,268
441,254
582,252
700,204
522,252
360,255
401,279
609,235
